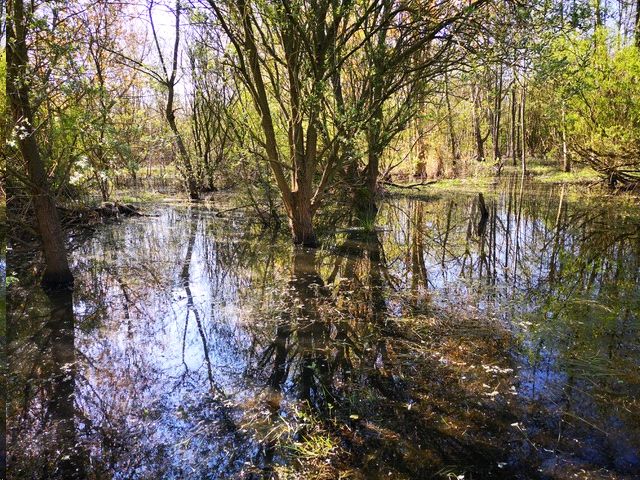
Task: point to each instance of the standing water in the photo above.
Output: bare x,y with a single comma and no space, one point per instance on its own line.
468,336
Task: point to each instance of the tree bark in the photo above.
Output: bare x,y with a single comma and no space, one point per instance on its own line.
497,117
513,133
598,14
566,160
455,152
523,152
421,164
637,25
476,123
301,220
192,185
365,192
57,273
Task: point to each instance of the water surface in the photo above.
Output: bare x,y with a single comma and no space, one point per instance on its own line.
445,344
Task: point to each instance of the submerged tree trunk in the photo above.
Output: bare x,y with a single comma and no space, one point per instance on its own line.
57,273
301,220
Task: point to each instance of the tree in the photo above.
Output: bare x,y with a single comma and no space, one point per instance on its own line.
212,104
406,48
104,130
57,273
169,80
340,81
284,56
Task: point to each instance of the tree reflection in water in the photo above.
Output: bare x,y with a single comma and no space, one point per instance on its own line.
49,412
494,336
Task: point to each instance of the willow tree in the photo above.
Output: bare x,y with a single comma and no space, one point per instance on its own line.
285,55
57,273
212,104
406,47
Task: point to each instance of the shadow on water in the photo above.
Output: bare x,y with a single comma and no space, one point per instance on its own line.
490,336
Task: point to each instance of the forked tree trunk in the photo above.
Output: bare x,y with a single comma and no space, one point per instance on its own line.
57,273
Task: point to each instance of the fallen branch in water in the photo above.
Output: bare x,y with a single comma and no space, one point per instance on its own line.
222,212
115,209
412,185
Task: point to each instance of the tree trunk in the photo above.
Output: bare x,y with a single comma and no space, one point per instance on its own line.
421,164
637,26
513,133
301,220
367,182
452,134
368,209
192,185
364,201
523,129
598,14
170,82
57,273
476,124
566,161
497,117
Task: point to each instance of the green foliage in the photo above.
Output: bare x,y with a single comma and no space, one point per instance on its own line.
600,89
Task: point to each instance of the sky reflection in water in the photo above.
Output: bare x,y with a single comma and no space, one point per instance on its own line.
444,343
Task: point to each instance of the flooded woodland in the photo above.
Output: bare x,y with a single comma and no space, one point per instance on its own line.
442,343
320,240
